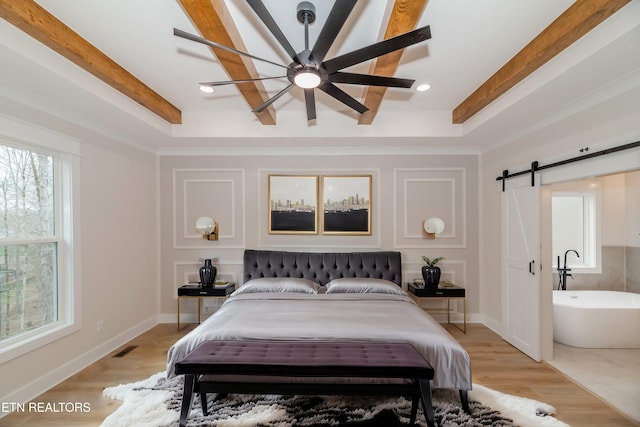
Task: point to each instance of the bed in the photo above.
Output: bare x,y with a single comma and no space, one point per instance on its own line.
354,296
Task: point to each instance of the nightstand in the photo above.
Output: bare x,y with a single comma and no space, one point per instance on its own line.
449,292
199,292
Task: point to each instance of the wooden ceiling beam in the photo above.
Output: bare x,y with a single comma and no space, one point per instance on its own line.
213,20
580,18
31,18
404,18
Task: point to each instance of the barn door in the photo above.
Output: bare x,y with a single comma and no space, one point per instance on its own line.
521,311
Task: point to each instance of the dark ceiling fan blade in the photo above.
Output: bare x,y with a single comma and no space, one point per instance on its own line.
310,100
193,37
342,96
271,100
233,82
377,49
336,19
369,80
264,15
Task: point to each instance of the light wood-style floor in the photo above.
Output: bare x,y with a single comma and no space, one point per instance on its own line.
495,364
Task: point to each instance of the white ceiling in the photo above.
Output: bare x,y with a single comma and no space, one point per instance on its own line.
471,39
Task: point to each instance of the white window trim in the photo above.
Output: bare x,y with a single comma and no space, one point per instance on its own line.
591,231
66,151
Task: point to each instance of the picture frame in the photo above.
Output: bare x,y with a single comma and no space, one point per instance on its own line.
293,204
346,205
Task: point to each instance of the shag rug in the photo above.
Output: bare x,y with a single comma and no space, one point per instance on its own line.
155,402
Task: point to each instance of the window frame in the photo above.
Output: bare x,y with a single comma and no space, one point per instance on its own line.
591,209
65,152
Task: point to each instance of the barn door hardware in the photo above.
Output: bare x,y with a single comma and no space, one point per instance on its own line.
535,166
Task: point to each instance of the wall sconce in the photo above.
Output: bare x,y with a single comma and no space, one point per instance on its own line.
434,225
207,227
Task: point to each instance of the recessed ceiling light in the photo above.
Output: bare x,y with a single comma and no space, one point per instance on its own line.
206,89
423,87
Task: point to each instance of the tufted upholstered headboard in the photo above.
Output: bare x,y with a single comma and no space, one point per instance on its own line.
322,267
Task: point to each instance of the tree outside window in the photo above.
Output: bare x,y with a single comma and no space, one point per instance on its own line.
28,242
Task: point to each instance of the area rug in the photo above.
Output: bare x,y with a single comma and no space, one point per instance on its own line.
155,402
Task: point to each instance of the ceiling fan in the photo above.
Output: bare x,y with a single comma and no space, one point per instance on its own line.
308,69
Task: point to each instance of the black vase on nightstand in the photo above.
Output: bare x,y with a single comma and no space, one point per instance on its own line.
208,274
431,276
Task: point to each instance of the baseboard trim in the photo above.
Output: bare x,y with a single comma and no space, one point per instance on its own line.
35,388
184,317
492,324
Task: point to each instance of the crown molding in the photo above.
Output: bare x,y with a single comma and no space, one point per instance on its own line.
390,150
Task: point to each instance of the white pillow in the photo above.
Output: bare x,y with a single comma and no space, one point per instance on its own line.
278,284
363,285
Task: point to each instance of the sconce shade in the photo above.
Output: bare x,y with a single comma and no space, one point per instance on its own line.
434,225
205,225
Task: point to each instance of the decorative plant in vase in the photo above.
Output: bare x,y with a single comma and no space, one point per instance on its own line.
430,272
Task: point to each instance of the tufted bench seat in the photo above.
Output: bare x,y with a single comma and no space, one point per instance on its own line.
306,367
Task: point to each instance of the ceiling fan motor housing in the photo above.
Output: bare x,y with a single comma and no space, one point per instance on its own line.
307,10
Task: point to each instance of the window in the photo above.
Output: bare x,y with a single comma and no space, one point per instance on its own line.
38,293
28,279
574,227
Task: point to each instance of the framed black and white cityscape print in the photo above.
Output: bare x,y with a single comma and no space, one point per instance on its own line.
346,205
293,202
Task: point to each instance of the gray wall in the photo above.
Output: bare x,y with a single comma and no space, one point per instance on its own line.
406,190
118,279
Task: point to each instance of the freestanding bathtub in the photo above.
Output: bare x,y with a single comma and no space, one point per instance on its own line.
596,319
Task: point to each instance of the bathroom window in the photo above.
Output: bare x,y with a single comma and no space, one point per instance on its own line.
575,227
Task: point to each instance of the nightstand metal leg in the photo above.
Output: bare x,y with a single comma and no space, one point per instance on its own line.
464,302
464,315
178,313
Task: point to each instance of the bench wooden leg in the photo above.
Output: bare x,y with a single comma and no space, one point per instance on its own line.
203,402
187,395
464,401
427,403
414,407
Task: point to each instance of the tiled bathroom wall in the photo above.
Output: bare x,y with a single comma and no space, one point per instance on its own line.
633,269
620,272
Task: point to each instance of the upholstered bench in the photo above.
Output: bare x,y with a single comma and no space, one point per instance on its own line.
306,367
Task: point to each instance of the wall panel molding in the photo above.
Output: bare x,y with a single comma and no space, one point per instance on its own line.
450,230
192,190
421,193
218,193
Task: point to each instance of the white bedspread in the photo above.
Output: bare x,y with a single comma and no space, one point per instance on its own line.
362,317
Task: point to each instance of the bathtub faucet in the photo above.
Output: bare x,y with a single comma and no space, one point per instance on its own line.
564,271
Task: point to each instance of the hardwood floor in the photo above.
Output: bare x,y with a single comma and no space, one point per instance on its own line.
500,366
495,364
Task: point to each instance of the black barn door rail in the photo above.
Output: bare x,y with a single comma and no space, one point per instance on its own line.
535,166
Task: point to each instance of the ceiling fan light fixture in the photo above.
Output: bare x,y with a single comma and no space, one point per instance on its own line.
423,87
206,89
307,79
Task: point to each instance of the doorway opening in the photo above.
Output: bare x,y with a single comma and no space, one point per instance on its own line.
614,234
